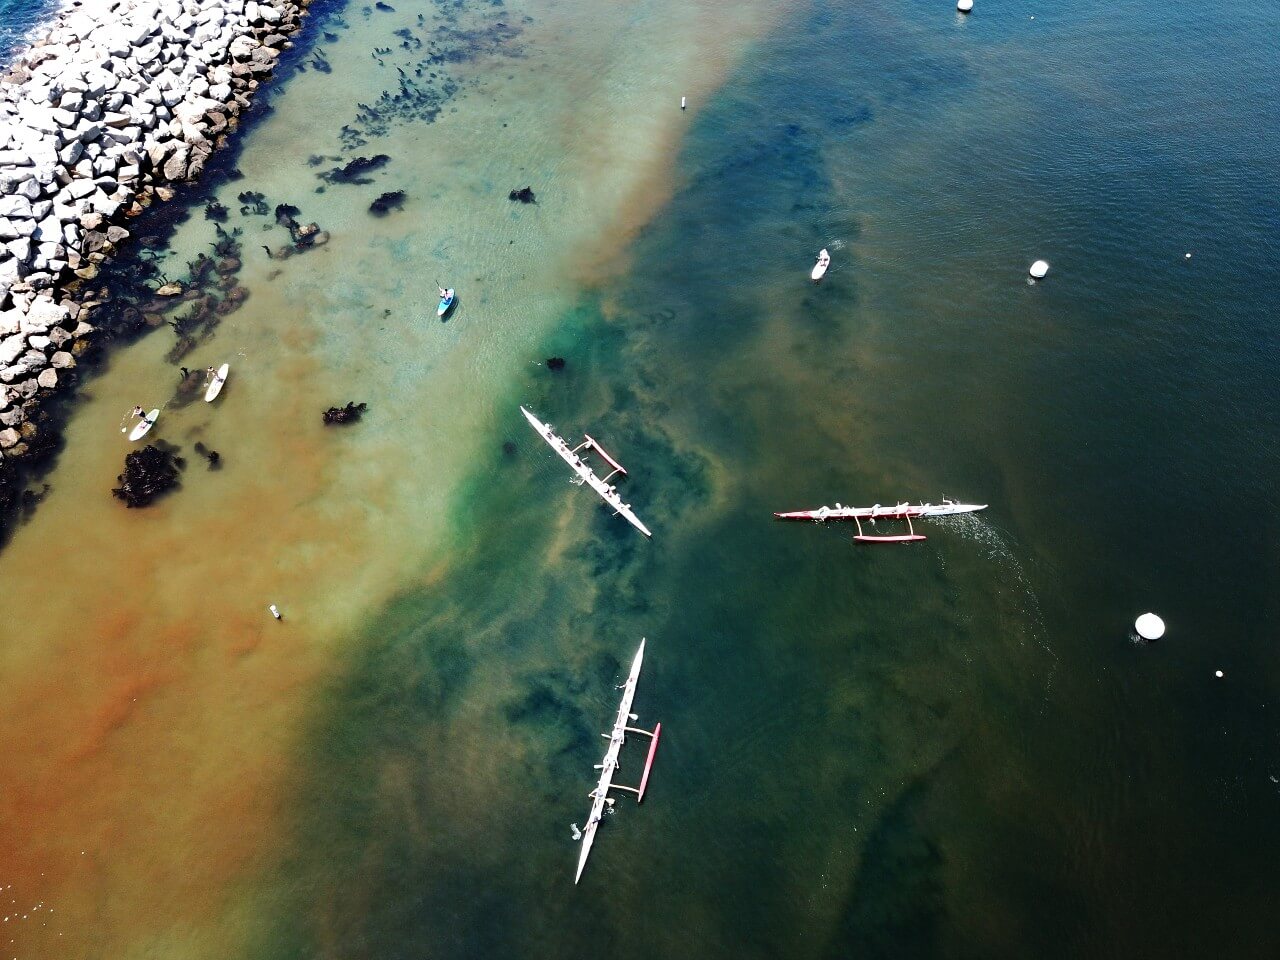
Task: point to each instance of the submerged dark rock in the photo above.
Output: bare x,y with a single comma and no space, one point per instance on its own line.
391,200
355,170
148,473
523,195
508,448
555,363
351,413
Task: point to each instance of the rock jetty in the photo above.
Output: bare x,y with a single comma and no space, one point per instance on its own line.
118,101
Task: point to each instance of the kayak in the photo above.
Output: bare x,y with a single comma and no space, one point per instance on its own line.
820,268
215,385
143,425
445,302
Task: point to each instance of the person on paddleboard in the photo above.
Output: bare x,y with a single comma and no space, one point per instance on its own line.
138,412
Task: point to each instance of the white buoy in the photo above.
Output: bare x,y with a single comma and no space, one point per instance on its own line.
964,6
1218,674
1039,269
1188,256
682,103
1149,626
275,612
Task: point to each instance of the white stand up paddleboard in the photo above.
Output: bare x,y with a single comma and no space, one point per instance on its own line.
820,268
446,302
143,425
215,385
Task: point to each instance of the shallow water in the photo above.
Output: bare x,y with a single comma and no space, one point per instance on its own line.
948,749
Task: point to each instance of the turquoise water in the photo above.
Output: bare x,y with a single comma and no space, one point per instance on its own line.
949,749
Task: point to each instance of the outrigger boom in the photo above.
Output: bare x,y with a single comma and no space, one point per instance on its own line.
600,795
608,494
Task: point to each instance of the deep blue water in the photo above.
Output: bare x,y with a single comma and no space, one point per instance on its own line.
16,18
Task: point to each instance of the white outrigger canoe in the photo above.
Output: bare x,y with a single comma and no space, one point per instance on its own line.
601,486
820,268
600,795
142,426
215,385
900,511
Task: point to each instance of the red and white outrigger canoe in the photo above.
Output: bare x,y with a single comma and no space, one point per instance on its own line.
901,511
600,795
609,494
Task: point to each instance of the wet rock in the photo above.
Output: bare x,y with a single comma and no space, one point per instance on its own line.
523,195
391,200
170,289
148,473
351,413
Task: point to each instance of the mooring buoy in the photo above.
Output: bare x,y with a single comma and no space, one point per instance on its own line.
1039,269
1149,626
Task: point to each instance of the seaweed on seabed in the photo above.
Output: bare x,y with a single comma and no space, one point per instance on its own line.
215,211
523,195
253,204
354,171
148,473
351,413
391,200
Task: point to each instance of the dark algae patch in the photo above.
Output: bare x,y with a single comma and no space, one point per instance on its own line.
385,203
148,473
455,33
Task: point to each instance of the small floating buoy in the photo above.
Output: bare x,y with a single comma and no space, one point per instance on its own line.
682,103
1188,256
1039,269
964,6
1149,626
275,612
1218,674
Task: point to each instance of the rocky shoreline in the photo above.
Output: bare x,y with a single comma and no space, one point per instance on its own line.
117,103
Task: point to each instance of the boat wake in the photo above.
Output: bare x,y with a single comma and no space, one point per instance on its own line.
1016,598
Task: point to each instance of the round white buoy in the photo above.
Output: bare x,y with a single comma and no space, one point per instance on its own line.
274,611
1218,674
964,6
1149,626
1039,269
1188,256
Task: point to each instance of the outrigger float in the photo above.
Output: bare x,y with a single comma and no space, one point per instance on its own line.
609,494
901,511
600,795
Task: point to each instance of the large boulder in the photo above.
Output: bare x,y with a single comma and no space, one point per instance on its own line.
43,314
